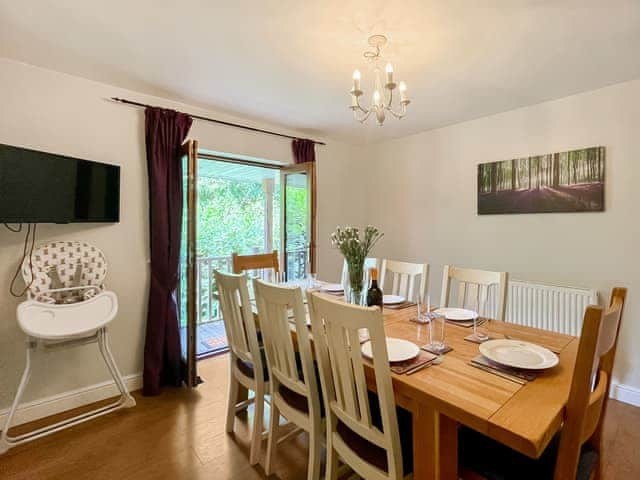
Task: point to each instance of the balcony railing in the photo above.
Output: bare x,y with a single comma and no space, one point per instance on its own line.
208,308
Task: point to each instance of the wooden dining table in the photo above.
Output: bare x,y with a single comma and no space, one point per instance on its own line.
442,397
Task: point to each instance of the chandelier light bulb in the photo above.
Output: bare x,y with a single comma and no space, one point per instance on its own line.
376,97
403,92
356,80
389,70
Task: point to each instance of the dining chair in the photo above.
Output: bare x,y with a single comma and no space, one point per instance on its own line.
295,393
576,451
247,363
362,428
262,265
474,288
404,276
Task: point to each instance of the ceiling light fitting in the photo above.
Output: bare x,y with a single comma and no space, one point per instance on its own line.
382,97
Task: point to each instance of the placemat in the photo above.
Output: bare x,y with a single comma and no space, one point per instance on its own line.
467,323
483,361
401,367
400,306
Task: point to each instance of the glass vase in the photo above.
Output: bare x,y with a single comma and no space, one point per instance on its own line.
356,293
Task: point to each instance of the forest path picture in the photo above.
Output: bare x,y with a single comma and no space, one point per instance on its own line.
560,182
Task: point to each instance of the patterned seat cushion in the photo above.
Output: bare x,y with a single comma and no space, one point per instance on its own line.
64,264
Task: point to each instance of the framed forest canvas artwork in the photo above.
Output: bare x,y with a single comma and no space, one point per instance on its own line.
570,181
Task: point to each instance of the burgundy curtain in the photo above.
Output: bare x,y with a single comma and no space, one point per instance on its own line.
165,131
303,150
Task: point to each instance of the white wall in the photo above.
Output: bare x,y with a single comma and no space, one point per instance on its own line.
425,200
63,114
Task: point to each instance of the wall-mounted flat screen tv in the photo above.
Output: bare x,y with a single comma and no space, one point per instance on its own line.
39,187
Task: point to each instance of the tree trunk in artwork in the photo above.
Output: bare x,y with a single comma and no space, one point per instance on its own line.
513,174
494,177
556,169
529,165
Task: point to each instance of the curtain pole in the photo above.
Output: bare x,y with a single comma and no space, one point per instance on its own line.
213,120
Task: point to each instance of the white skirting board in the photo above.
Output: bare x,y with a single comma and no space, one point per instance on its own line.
62,402
76,398
626,394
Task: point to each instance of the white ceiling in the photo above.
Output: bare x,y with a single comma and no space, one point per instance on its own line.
289,62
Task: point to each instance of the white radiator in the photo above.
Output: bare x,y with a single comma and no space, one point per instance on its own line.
550,307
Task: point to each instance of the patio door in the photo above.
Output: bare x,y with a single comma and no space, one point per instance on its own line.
187,309
298,210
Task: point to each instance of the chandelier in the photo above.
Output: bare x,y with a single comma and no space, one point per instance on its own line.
382,98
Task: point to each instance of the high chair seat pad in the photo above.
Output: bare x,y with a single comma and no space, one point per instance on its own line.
75,320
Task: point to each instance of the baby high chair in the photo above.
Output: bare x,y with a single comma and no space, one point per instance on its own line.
67,305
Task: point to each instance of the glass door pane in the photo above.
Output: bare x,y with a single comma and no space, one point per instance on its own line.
298,236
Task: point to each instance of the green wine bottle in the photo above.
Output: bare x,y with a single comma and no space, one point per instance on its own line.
374,294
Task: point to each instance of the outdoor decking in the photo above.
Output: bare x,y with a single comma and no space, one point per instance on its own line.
210,338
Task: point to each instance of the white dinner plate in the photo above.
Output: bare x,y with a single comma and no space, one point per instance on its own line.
399,350
392,299
519,354
457,314
333,287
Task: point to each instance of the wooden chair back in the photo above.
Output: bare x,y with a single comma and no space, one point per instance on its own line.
278,307
590,385
237,316
403,276
261,265
336,326
473,289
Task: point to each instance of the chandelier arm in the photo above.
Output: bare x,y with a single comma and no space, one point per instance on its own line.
364,117
403,111
388,106
363,110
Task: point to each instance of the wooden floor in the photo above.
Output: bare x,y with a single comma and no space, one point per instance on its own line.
180,435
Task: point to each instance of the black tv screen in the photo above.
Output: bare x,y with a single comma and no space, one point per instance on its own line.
39,187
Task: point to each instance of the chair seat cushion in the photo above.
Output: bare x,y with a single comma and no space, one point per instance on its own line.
496,461
370,452
248,370
300,402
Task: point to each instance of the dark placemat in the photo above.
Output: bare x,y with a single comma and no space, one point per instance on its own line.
467,323
402,367
483,361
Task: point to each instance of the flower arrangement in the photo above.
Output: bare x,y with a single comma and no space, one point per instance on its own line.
355,248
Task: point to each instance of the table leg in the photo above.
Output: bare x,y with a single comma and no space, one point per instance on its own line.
435,445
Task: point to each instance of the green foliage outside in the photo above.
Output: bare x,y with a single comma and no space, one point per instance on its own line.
231,219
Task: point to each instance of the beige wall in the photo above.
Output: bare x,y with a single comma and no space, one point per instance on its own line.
63,114
425,200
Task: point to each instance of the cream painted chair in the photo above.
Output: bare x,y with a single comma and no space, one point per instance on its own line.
362,433
473,289
404,277
294,384
247,365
